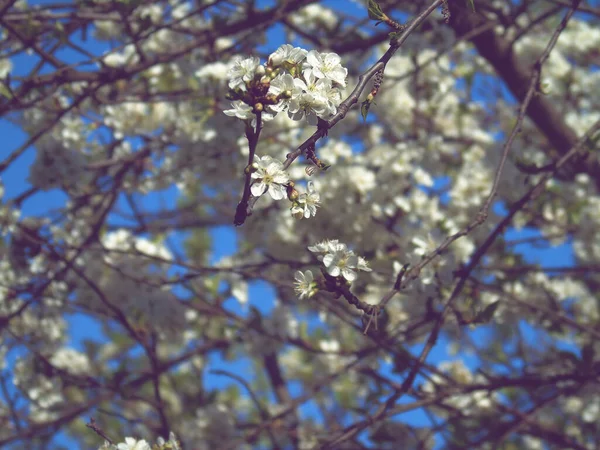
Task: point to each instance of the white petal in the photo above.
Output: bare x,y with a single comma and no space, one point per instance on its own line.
348,274
328,259
258,189
334,271
276,191
313,59
332,59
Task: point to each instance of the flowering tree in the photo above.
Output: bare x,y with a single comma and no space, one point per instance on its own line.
377,176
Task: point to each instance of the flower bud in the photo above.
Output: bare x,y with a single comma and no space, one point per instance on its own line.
546,86
285,94
292,193
251,168
260,71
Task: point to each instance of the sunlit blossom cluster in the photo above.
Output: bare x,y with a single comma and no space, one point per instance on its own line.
339,261
130,443
303,83
269,175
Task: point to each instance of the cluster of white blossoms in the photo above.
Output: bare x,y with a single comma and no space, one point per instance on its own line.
270,176
135,444
303,83
338,261
306,204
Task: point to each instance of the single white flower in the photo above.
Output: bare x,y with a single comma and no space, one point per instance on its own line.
308,105
133,444
363,265
310,99
280,84
271,176
240,110
338,259
307,203
313,97
327,65
341,262
242,71
322,88
327,246
287,54
305,286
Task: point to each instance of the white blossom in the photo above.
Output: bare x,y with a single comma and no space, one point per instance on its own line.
133,444
271,176
287,54
341,262
305,285
310,99
240,110
242,71
338,259
363,265
327,65
307,203
326,246
283,83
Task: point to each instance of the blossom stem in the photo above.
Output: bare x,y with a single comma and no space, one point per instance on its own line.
241,212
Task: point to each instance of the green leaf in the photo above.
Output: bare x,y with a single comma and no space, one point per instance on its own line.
364,109
4,91
324,166
488,312
375,12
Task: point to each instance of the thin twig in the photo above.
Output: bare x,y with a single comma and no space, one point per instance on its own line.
414,272
92,424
